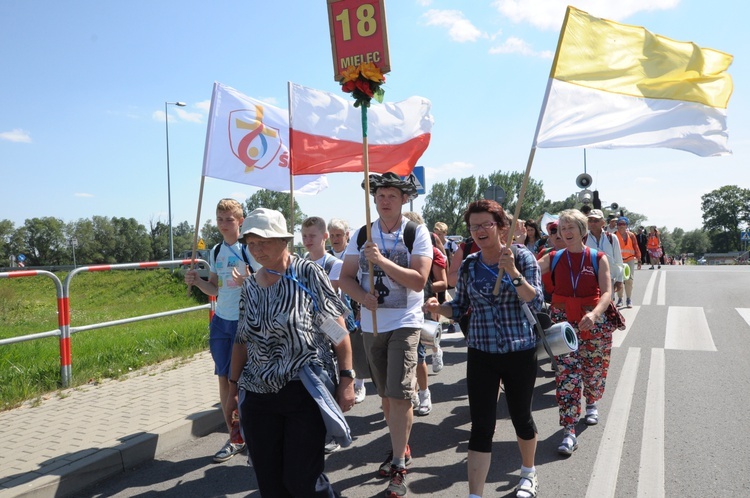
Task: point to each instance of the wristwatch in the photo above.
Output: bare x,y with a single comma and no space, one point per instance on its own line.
517,281
348,373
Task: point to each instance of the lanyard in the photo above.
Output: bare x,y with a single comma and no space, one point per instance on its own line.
506,278
302,286
231,248
395,242
574,283
598,245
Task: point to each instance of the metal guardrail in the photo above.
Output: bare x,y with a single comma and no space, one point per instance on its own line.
64,329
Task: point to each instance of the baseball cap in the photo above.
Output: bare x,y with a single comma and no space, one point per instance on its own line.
596,213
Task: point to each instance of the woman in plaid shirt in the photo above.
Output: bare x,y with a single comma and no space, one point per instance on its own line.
501,342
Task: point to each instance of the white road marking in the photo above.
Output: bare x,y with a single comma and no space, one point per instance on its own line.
607,465
649,294
661,296
651,470
687,329
618,336
744,313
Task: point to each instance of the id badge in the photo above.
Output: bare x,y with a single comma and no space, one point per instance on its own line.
333,330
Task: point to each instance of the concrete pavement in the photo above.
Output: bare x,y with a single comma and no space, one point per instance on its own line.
82,435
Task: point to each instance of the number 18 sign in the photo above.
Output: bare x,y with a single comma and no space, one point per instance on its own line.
358,34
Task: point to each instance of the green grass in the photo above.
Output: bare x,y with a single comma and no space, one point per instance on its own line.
28,305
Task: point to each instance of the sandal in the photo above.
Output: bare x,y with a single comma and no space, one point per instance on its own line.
569,445
528,485
592,415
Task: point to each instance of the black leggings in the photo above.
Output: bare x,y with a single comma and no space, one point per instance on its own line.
484,371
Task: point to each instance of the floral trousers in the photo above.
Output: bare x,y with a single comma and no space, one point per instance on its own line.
582,374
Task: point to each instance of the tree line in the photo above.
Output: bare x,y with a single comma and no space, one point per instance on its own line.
50,241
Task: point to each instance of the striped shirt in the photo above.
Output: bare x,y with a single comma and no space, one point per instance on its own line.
498,323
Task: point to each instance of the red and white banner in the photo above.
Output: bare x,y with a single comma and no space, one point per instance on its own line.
326,133
247,141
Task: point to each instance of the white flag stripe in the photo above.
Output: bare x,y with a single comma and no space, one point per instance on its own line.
687,329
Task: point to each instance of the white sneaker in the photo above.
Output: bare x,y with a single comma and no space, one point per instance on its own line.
437,360
331,447
359,394
425,403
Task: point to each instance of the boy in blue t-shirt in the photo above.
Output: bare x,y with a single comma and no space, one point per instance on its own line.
231,256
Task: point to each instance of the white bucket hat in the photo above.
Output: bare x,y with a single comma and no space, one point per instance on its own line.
266,223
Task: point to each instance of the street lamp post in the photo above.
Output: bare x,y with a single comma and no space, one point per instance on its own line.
73,244
169,184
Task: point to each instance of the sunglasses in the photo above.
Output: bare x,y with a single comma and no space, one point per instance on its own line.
553,231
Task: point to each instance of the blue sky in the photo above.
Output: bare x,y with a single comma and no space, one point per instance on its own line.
84,84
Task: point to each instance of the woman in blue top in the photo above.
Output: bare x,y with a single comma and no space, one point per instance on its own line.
501,342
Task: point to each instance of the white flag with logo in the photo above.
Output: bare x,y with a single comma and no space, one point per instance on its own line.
247,141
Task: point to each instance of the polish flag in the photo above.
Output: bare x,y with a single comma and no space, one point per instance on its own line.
326,133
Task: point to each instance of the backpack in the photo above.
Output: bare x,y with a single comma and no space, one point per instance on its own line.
351,323
559,254
243,251
410,233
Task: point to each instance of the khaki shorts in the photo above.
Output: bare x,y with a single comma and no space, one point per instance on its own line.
393,361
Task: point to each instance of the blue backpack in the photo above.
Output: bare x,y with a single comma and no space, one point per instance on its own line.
351,323
558,255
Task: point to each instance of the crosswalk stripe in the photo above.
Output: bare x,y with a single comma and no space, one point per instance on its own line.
651,470
603,480
744,313
687,329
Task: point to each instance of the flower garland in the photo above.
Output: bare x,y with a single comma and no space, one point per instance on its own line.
363,82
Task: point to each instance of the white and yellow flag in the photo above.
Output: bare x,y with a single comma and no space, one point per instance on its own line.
615,86
247,141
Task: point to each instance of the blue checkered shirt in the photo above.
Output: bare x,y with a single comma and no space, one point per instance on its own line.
497,323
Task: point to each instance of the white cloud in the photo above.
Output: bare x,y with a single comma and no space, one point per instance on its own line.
17,135
549,14
645,180
204,106
190,117
460,29
424,3
82,194
446,171
515,45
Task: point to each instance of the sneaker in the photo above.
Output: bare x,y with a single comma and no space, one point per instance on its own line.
628,303
592,415
437,360
619,302
397,487
658,267
331,447
451,328
651,267
228,451
528,485
569,444
425,403
359,395
385,468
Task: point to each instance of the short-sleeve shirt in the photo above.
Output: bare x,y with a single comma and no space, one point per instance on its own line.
398,306
335,272
229,257
279,333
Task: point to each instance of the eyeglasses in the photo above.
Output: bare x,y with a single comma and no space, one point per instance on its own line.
553,231
486,226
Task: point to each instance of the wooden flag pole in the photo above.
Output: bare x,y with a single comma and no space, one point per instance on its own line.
368,227
291,168
512,228
197,229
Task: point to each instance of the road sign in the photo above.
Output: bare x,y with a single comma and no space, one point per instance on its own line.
495,193
358,34
21,258
418,173
745,236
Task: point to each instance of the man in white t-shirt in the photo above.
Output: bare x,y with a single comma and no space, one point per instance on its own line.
400,255
601,240
338,236
314,237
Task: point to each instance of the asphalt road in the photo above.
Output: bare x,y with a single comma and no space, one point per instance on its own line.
674,420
